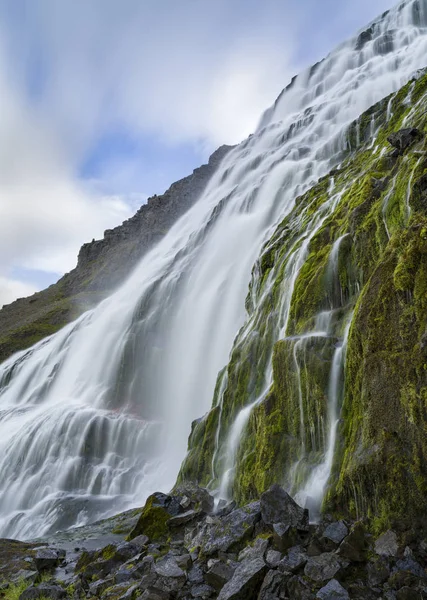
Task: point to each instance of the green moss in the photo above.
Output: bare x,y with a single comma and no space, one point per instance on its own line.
152,522
14,591
376,208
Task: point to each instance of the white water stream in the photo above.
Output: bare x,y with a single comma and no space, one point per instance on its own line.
96,417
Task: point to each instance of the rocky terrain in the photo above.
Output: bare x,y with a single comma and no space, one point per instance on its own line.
180,548
102,265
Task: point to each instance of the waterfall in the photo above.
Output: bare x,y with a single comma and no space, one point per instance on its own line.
97,416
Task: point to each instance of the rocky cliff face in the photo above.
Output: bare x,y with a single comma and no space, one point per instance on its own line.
102,265
348,390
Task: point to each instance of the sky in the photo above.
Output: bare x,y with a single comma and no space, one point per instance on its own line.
104,103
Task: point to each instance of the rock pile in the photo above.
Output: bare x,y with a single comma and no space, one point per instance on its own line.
184,548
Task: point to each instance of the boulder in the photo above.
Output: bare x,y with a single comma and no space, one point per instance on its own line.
232,531
284,537
333,591
218,574
47,558
322,568
258,550
44,590
334,535
168,567
298,589
354,546
295,560
158,510
403,139
184,518
273,558
246,581
387,544
202,591
278,507
273,587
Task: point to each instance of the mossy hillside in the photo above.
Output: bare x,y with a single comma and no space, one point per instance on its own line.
367,181
383,472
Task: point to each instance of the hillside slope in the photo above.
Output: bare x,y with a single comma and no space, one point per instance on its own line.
102,265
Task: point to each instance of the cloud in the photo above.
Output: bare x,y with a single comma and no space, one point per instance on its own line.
11,289
181,73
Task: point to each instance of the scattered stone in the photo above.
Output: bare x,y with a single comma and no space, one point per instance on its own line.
218,575
26,575
298,589
354,546
334,534
184,518
387,544
333,591
168,567
44,590
278,507
184,561
273,587
258,550
46,558
273,558
284,537
226,533
246,581
295,560
202,591
322,568
140,541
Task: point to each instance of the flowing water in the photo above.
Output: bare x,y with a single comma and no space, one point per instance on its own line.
96,417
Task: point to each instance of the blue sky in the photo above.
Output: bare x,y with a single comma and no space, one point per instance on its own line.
106,102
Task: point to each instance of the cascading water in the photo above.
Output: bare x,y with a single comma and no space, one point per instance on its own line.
96,417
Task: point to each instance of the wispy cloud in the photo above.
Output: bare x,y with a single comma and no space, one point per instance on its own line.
185,74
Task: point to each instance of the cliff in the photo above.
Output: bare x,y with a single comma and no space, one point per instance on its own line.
338,304
102,265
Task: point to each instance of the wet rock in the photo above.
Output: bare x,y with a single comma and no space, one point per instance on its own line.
98,587
131,593
154,594
168,567
218,574
184,561
387,544
158,510
195,575
202,591
298,589
194,497
284,537
334,535
278,507
273,587
322,568
354,546
409,565
47,558
246,581
410,593
333,591
227,533
273,558
295,560
403,139
140,541
44,590
378,572
184,518
26,575
258,550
